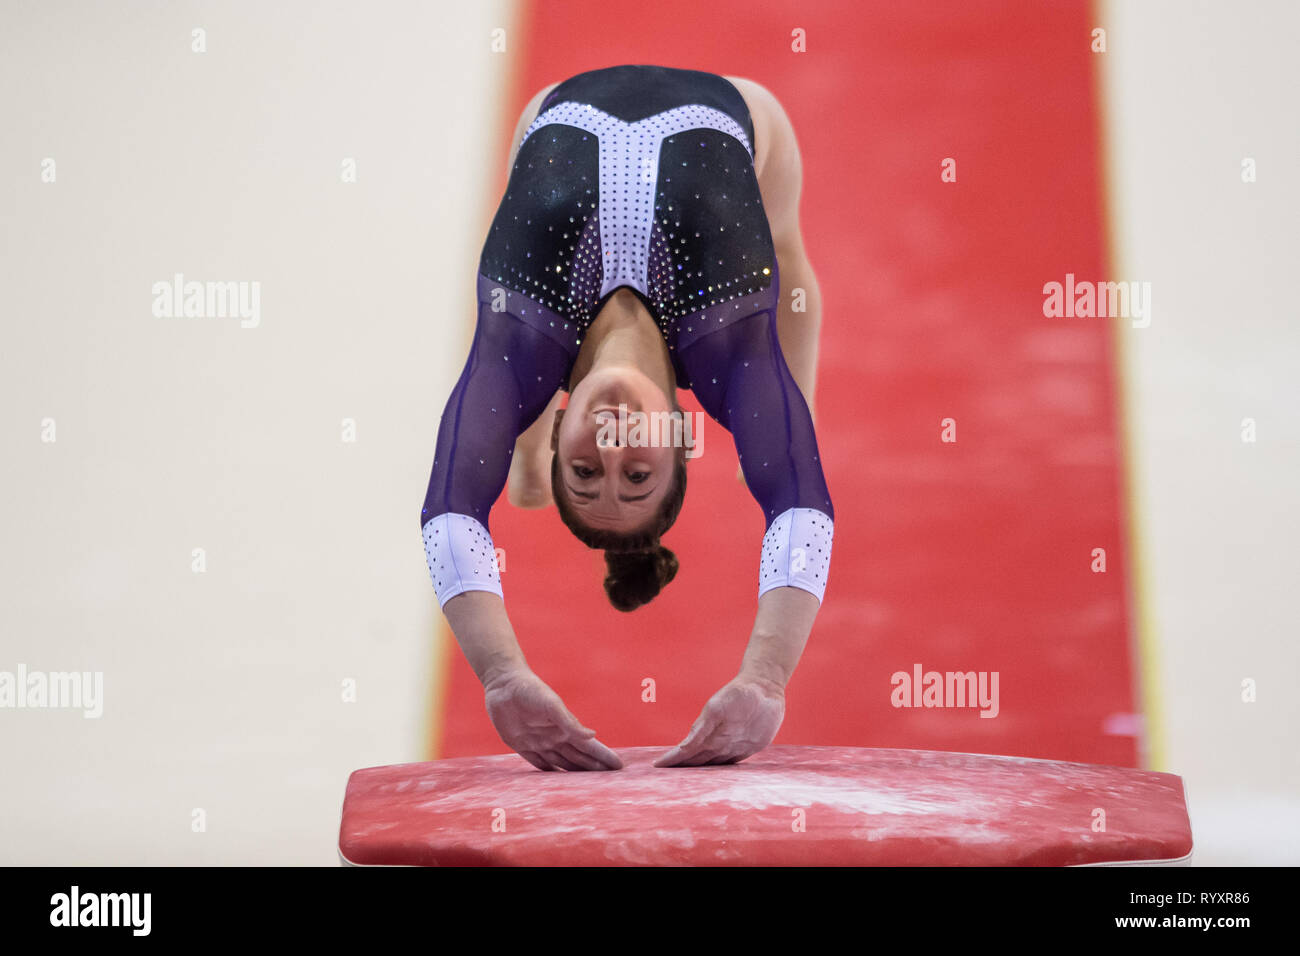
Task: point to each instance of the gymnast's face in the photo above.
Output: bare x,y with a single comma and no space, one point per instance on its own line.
614,485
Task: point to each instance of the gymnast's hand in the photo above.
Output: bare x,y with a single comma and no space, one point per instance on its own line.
533,721
737,722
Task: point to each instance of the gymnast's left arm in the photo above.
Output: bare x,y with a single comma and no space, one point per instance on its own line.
741,378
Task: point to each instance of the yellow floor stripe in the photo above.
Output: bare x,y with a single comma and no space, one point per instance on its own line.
1153,745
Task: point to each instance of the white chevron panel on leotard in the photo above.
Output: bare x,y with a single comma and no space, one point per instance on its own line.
629,172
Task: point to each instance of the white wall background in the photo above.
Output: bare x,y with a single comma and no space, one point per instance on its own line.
1191,90
223,689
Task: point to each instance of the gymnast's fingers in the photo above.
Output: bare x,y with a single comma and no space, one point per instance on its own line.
729,757
558,760
700,759
584,761
535,760
573,725
704,727
596,749
688,748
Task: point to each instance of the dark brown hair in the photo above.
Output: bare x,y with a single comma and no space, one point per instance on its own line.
639,566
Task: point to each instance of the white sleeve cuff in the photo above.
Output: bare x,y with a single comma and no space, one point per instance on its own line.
797,552
460,555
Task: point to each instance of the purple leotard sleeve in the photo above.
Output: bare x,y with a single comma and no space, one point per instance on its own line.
511,374
740,377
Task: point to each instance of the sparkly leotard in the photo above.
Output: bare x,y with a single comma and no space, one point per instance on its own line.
639,177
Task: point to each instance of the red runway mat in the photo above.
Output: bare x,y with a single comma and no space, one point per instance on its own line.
972,556
788,806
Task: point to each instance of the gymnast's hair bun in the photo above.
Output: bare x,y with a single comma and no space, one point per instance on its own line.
636,577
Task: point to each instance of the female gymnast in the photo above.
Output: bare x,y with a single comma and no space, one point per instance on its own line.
636,252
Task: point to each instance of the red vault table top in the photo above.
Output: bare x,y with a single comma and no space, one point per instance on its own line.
786,806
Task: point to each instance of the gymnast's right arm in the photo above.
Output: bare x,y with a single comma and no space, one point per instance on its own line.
509,378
